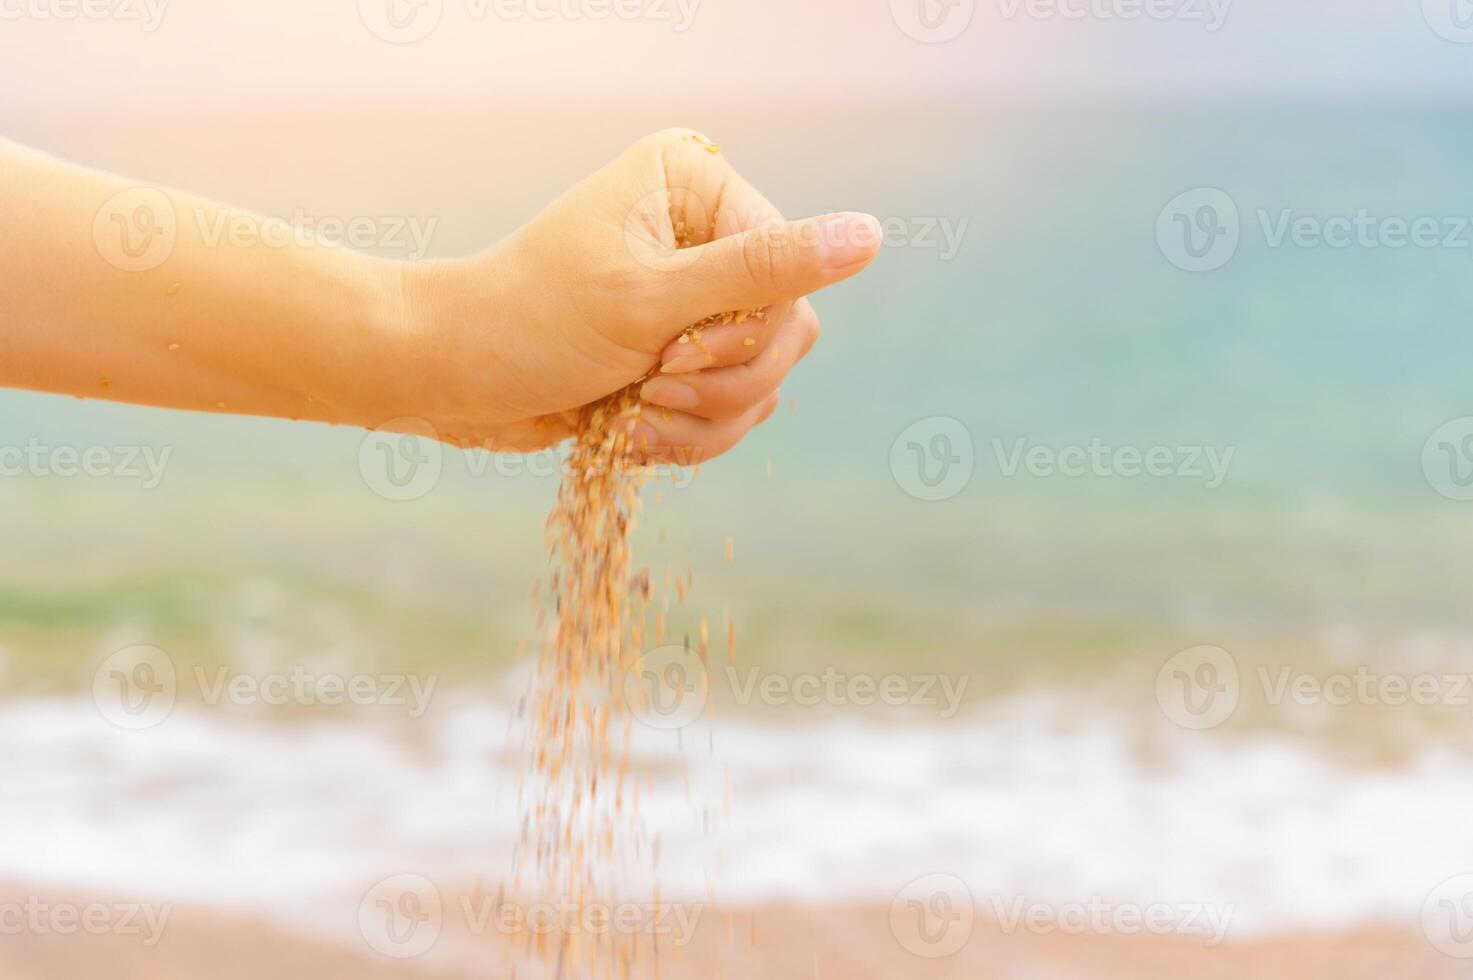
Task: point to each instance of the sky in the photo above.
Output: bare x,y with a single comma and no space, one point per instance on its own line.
90,54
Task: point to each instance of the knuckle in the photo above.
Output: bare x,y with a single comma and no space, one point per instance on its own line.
618,279
726,406
676,140
631,290
809,324
636,298
768,254
663,139
812,331
772,365
674,134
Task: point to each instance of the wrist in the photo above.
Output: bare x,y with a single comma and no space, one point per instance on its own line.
454,353
363,369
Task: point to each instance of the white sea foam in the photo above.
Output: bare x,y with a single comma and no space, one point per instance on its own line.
297,822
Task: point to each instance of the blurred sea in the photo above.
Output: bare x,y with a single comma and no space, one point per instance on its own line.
1052,315
1024,294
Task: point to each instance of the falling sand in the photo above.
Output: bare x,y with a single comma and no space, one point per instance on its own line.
583,841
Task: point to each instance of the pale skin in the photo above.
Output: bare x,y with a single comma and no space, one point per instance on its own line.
112,291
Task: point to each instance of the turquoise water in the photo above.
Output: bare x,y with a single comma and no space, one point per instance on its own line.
1058,321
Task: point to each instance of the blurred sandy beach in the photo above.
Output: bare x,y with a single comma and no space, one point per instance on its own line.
782,942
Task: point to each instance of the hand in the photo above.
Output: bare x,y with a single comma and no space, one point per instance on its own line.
501,350
596,293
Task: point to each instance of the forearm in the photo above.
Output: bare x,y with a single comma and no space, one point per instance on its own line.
145,295
159,298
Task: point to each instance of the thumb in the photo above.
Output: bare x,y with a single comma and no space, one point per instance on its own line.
778,260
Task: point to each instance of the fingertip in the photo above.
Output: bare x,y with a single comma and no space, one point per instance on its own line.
848,241
769,407
687,362
669,393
